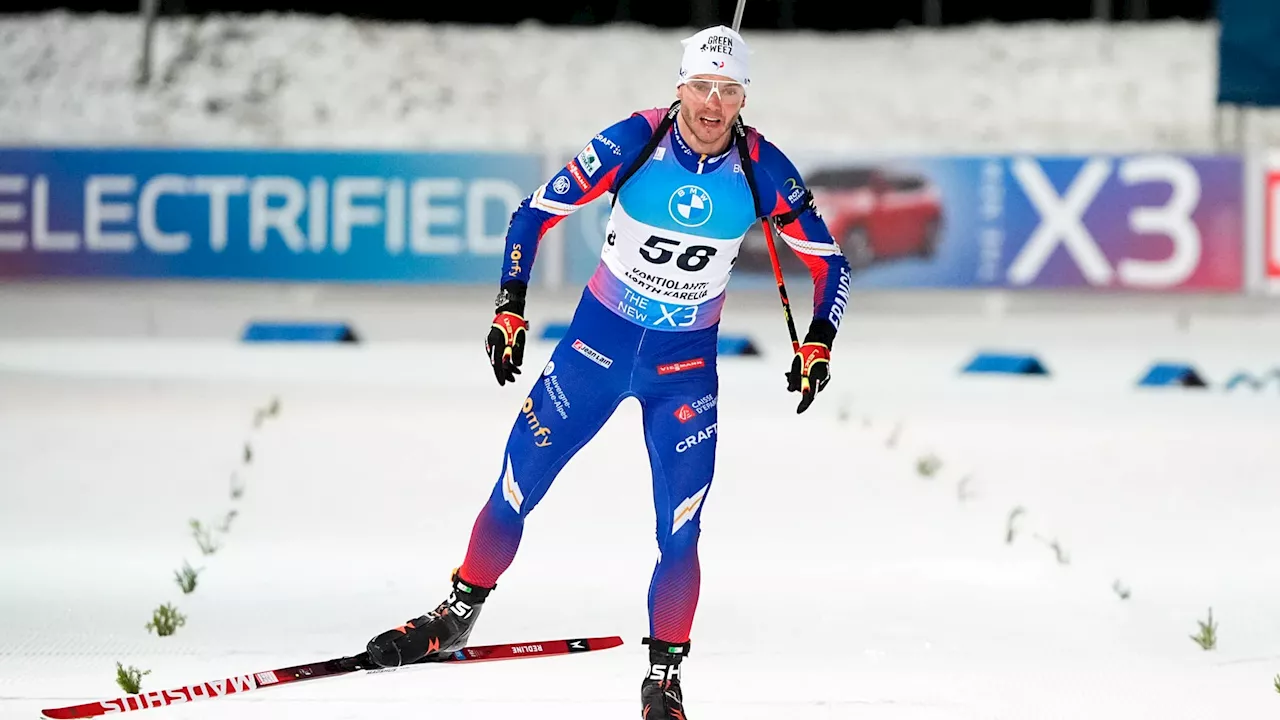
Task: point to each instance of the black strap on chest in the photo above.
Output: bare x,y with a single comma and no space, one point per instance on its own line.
649,147
740,138
748,167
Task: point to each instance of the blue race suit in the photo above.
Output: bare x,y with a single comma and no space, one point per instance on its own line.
646,327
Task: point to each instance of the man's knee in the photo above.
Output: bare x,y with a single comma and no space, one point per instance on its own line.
683,541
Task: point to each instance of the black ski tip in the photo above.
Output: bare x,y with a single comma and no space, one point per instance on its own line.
595,643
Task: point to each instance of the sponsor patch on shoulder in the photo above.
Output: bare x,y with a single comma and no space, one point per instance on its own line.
578,177
588,159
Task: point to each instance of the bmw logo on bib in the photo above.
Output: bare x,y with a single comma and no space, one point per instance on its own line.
690,206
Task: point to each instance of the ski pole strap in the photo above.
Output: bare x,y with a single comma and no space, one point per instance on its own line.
663,126
791,215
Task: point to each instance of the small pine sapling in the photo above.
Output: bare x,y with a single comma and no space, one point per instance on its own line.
1009,529
270,411
1207,638
203,537
165,620
186,577
1059,552
130,678
892,440
1120,589
928,465
225,527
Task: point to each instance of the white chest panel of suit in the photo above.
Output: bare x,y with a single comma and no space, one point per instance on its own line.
672,240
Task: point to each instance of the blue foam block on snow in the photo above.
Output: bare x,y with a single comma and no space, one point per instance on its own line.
554,331
316,332
736,345
1165,374
1007,364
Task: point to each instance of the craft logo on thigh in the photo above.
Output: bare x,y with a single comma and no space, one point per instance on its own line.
541,433
681,366
592,353
705,434
685,413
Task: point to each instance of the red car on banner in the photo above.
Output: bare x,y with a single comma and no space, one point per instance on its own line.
1271,203
874,215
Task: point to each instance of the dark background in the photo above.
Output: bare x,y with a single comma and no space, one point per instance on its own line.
785,14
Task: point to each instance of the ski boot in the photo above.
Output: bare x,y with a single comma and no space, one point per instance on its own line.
660,694
439,632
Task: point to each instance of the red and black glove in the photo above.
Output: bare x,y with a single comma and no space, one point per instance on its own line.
505,343
810,368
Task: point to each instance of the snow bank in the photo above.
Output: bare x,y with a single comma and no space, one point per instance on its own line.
299,81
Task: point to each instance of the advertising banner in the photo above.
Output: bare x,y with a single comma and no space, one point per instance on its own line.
258,215
1131,223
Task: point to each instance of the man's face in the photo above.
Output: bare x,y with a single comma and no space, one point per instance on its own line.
709,105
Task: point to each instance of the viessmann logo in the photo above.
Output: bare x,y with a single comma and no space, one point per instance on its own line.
681,366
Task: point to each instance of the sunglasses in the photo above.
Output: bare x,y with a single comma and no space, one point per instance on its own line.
730,92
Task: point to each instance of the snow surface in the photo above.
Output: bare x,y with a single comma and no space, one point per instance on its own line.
301,81
837,582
